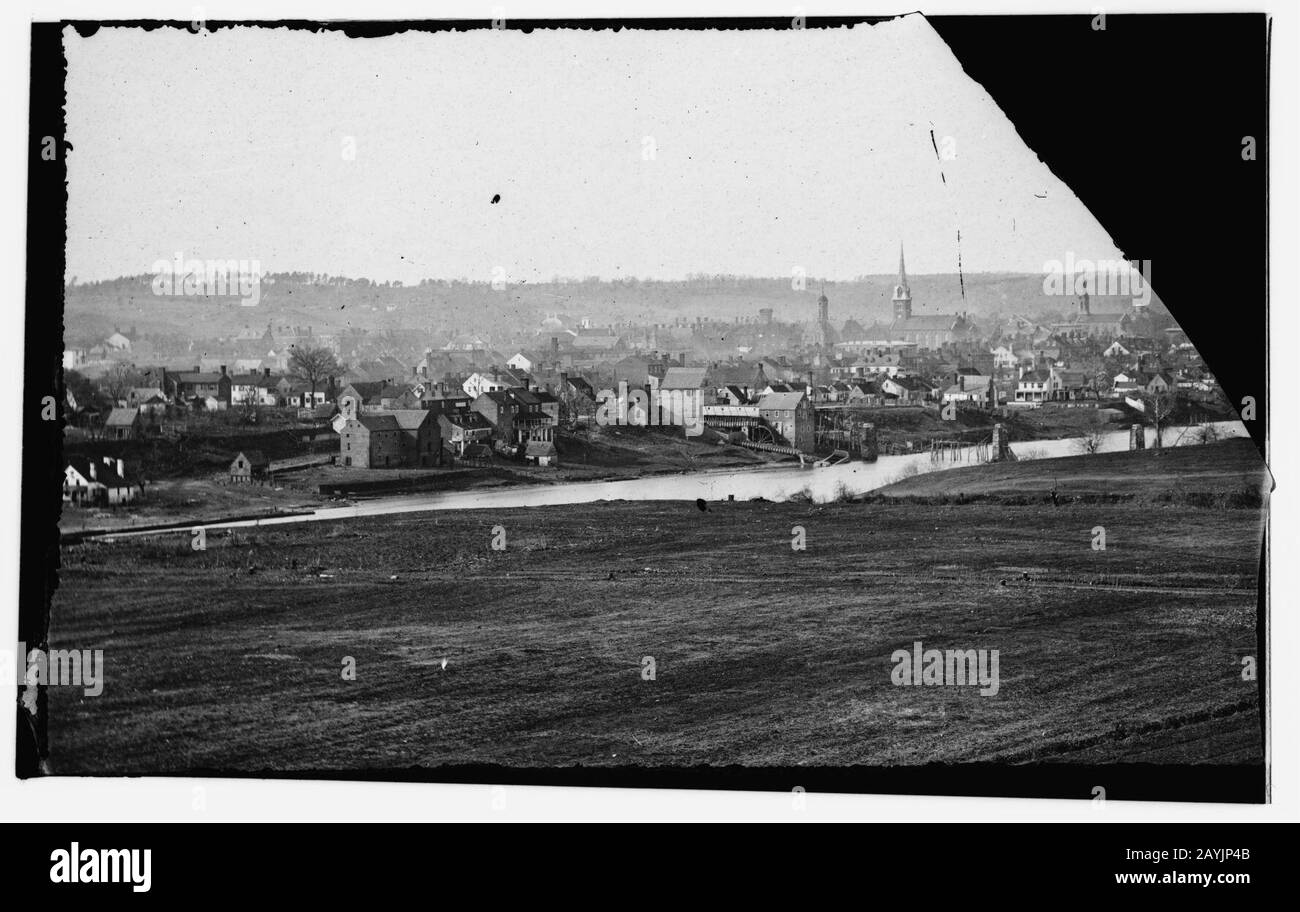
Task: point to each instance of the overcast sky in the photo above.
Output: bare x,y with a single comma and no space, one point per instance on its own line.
652,154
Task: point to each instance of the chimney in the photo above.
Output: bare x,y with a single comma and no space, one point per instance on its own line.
223,370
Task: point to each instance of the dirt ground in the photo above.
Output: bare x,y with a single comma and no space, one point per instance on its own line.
537,655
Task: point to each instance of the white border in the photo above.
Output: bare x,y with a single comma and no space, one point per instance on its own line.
266,801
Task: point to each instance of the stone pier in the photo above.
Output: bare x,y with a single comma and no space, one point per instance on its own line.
1001,450
1137,437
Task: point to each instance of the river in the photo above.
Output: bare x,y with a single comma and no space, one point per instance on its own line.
770,482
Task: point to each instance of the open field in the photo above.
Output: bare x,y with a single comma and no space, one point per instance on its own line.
231,658
1228,473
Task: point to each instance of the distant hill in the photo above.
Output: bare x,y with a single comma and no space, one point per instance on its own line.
330,304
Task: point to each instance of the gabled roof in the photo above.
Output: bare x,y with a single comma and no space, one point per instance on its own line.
781,401
467,420
523,396
728,374
684,378
364,389
409,419
384,422
500,397
146,394
580,384
105,471
255,458
912,384
122,417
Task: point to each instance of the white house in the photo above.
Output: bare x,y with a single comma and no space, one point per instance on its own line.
1034,386
476,384
521,361
1003,356
973,389
101,482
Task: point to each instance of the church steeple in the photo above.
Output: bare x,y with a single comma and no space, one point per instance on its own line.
902,294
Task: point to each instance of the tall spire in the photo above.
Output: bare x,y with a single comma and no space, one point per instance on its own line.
902,299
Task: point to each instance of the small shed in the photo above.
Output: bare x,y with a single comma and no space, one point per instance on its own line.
477,453
541,452
249,466
123,424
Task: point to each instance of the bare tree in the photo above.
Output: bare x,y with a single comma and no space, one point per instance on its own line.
1159,405
1093,437
312,366
119,380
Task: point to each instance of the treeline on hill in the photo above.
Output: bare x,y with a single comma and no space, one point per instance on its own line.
331,303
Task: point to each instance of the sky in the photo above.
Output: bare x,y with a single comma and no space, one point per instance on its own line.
650,154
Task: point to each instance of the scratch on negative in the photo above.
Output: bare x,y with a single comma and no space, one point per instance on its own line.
960,278
938,157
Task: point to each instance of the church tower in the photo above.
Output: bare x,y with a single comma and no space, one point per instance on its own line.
823,306
902,294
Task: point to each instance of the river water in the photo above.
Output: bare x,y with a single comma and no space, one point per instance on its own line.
772,483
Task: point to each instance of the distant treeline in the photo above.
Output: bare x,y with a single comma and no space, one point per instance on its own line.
510,308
